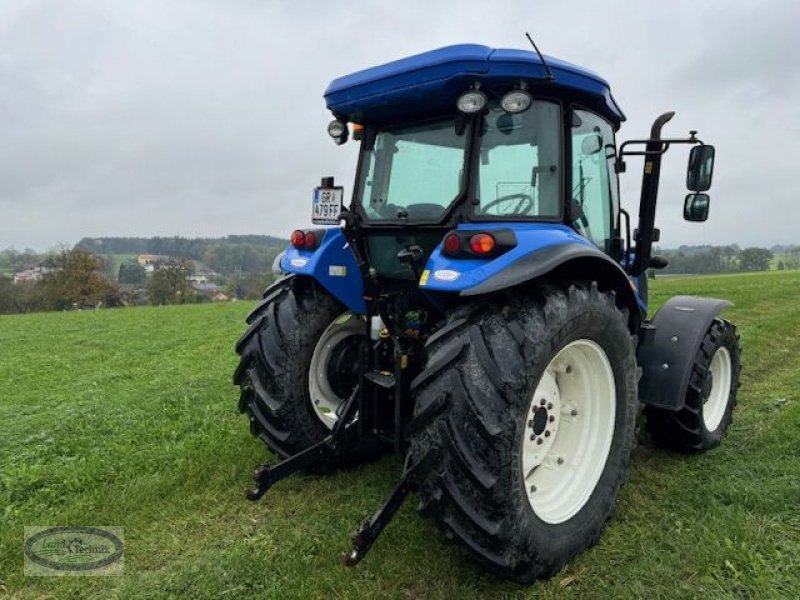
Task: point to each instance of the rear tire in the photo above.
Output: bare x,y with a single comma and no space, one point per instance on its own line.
277,351
710,398
487,369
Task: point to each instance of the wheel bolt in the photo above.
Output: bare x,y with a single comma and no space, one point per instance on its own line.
533,488
552,418
530,423
574,412
539,441
568,369
547,433
560,460
533,436
542,402
549,405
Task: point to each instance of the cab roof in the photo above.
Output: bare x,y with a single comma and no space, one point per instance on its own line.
427,84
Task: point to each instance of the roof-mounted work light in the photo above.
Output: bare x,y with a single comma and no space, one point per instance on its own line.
516,101
471,102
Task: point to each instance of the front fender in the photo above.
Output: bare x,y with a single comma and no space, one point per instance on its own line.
667,361
333,265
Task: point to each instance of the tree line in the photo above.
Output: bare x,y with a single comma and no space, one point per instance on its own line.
726,259
78,279
232,255
71,279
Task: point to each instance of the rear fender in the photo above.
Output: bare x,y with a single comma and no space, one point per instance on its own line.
668,358
541,249
333,265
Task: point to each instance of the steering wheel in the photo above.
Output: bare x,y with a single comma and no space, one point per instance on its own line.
524,201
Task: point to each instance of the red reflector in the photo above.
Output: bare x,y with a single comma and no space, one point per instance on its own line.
481,243
452,245
311,240
298,238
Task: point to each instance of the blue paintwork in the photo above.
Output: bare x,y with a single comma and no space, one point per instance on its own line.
333,251
430,82
471,272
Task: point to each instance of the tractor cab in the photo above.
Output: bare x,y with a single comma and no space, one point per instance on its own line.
469,134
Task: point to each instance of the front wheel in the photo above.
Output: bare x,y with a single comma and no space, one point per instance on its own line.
710,397
528,455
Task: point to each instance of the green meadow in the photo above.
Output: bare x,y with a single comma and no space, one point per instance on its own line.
128,418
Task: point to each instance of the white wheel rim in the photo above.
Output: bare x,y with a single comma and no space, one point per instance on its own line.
717,400
324,400
562,460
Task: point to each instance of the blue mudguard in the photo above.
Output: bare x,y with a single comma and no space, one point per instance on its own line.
333,265
540,248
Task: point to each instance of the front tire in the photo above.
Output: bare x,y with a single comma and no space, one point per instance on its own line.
523,486
710,399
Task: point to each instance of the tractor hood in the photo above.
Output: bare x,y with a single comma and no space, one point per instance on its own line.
429,83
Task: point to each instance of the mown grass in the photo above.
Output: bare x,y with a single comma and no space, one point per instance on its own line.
127,418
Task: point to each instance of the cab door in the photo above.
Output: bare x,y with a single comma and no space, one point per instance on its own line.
594,189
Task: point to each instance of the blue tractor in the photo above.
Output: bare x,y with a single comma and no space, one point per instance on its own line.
480,306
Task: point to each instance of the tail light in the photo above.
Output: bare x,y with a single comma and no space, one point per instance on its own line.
307,240
452,244
481,244
298,238
310,241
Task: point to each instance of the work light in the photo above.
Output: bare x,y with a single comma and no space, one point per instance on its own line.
338,131
471,102
516,102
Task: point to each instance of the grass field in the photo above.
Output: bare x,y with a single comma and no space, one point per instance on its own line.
127,418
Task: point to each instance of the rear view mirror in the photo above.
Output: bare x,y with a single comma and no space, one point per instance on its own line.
700,169
695,207
591,144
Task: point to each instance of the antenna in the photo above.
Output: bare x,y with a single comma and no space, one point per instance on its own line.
550,75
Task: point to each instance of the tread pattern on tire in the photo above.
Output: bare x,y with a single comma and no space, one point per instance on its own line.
272,374
478,361
685,430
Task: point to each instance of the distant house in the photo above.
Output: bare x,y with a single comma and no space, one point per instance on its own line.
209,290
150,259
30,275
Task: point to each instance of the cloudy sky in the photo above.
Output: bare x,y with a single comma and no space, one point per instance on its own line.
201,118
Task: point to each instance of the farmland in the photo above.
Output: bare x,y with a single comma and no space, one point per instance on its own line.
127,418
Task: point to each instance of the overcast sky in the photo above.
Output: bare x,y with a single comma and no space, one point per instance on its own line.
202,118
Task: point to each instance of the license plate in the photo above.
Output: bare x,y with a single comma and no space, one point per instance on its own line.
326,208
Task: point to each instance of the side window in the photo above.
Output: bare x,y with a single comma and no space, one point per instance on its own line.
594,182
